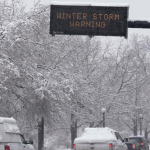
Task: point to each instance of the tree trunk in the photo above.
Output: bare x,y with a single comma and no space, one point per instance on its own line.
91,124
135,126
146,134
73,129
41,133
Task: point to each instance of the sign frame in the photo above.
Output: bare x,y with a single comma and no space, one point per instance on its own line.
89,20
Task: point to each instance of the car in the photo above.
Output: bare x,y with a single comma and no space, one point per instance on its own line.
99,139
142,142
10,136
132,145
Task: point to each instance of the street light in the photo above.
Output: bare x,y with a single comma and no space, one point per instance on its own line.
103,111
141,117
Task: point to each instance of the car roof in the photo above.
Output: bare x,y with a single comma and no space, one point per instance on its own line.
96,135
138,136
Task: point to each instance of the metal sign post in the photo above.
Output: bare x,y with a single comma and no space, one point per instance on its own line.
139,24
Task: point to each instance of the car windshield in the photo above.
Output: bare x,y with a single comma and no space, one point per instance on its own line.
22,139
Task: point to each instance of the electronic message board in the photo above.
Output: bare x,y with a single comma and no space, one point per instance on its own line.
88,20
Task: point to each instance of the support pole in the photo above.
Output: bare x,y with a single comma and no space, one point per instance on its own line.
103,112
103,120
139,24
141,117
140,126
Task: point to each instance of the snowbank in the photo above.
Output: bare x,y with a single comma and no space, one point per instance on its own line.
96,135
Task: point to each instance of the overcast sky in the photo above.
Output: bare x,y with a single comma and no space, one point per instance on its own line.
138,9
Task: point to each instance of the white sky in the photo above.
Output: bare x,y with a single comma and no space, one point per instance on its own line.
138,9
